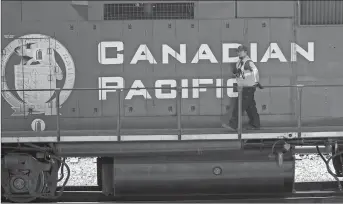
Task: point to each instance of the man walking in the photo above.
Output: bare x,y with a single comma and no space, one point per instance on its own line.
247,76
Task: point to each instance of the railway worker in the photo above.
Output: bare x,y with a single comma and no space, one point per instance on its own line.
247,76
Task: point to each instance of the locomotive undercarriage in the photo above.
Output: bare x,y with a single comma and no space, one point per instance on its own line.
31,171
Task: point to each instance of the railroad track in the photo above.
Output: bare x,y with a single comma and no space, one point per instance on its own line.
299,197
303,197
311,192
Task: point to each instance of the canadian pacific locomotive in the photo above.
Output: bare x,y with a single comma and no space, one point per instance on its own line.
144,86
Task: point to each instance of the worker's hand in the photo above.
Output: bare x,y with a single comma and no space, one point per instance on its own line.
257,84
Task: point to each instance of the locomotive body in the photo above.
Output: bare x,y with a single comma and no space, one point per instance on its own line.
94,53
122,75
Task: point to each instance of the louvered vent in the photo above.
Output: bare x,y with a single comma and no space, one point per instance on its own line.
145,11
321,12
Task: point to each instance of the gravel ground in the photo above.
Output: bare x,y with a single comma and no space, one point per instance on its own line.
308,168
311,168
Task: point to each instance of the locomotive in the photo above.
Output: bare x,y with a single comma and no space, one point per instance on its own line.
144,86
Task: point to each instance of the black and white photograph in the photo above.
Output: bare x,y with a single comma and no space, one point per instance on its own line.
172,101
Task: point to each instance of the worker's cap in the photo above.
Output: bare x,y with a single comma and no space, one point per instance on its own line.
242,48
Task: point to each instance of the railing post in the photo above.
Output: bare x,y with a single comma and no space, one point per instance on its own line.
240,99
179,104
119,114
58,92
299,103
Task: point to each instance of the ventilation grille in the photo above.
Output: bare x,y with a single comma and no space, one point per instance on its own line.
145,11
321,12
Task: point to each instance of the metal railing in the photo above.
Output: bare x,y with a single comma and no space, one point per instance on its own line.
299,90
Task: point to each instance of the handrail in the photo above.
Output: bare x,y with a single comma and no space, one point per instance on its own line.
58,116
240,114
119,115
299,88
299,105
179,104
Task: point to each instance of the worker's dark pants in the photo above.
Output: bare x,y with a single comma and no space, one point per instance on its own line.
248,105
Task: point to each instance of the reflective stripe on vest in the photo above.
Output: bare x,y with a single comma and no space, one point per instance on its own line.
249,79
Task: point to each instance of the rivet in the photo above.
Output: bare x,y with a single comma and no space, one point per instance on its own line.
217,171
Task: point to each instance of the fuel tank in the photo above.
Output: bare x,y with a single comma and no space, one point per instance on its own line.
225,172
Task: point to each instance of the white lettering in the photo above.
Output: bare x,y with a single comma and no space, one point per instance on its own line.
143,53
273,47
226,52
204,53
159,92
138,89
197,82
309,55
219,91
103,81
166,51
184,84
253,52
102,52
230,93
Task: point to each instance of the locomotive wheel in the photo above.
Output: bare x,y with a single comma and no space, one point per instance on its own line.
21,183
338,161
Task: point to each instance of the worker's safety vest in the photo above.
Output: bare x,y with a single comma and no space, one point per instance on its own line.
247,72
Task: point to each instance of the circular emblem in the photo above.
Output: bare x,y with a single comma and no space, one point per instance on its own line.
38,125
40,72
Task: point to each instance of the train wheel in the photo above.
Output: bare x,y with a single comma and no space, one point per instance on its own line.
25,178
19,183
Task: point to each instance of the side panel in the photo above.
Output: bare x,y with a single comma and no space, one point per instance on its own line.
109,31
263,9
83,110
208,102
12,10
258,31
163,33
216,9
186,33
139,33
52,11
321,104
232,32
281,73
